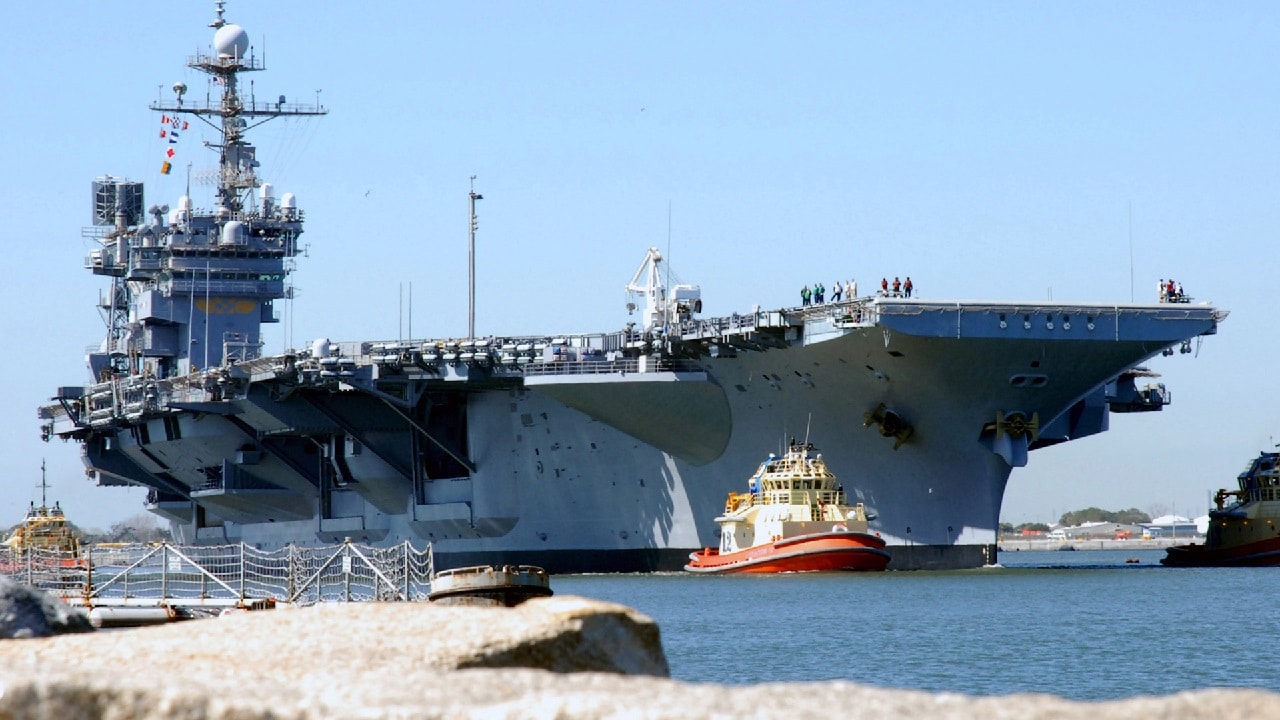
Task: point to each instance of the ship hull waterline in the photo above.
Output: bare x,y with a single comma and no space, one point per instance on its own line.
815,552
1264,553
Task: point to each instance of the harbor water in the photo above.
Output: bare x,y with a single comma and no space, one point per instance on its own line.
1084,625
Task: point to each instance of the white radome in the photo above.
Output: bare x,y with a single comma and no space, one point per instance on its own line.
231,41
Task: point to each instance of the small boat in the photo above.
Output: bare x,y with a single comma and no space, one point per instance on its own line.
792,519
1244,527
489,585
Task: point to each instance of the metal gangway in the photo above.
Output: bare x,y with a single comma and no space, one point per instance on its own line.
214,577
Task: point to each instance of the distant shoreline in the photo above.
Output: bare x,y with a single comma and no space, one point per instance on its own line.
1041,544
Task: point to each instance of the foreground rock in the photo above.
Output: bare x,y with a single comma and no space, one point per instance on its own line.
29,613
423,661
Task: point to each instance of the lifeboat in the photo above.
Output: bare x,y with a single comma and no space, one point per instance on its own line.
793,518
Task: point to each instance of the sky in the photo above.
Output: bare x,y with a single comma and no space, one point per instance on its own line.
1077,151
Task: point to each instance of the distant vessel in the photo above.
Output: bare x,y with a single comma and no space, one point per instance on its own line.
1244,528
44,529
574,452
792,519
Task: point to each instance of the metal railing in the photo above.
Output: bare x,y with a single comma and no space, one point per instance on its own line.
226,575
605,367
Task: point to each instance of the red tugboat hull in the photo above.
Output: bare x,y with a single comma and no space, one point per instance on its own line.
818,552
1264,553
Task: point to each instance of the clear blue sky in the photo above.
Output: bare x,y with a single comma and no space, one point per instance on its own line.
989,150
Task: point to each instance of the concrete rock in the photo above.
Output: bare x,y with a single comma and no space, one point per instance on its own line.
26,612
412,660
568,634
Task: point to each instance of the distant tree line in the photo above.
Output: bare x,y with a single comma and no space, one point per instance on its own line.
1011,529
1132,516
136,529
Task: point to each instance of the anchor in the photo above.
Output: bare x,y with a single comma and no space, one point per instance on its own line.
890,424
1017,425
1011,435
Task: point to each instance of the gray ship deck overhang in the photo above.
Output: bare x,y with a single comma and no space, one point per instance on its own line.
682,412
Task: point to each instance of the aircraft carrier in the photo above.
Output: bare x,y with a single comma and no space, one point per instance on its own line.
576,452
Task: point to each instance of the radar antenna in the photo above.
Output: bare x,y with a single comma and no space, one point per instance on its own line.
471,262
209,277
233,115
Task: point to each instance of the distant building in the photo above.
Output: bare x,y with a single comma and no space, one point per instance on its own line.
1175,526
1097,531
1202,524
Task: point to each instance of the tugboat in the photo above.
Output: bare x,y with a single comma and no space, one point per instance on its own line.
792,519
44,531
1244,528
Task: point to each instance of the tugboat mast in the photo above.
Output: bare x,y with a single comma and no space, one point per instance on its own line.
44,486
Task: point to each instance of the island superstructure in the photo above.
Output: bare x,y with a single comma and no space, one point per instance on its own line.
572,451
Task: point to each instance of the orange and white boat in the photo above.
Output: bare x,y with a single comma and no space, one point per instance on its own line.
793,518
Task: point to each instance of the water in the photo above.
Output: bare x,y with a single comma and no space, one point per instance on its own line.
1083,625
